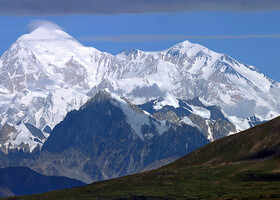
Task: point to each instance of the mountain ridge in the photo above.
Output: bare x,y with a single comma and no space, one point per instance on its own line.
42,80
22,181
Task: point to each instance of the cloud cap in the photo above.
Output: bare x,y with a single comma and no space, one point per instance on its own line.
34,24
64,7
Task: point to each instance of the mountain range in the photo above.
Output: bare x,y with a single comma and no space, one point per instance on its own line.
47,73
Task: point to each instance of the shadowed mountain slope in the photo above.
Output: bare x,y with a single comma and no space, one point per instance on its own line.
22,180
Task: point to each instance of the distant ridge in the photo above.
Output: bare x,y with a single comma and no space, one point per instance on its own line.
22,180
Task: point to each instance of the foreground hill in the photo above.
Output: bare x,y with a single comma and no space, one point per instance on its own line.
241,166
22,180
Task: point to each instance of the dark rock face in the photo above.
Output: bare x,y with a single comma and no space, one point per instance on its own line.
97,142
254,121
47,129
95,121
35,131
22,180
5,131
169,116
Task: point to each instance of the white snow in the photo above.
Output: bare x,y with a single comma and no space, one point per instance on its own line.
3,90
136,120
206,103
241,124
188,121
210,133
203,112
169,99
22,134
43,33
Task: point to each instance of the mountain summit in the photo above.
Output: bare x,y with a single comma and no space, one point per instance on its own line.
43,33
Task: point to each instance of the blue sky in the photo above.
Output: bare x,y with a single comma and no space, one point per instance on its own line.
262,52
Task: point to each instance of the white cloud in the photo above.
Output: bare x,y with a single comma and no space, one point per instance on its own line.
42,23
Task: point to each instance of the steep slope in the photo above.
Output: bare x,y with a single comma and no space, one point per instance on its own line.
47,73
110,137
240,166
22,180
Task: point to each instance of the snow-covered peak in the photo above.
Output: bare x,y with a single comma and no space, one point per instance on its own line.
183,45
56,55
43,33
52,43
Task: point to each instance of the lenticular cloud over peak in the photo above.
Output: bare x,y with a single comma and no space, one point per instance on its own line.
43,23
45,30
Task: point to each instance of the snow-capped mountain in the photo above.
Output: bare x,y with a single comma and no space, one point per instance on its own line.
47,73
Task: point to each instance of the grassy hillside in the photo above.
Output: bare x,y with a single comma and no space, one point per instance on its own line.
242,166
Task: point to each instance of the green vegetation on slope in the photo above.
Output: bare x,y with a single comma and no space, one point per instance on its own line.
242,166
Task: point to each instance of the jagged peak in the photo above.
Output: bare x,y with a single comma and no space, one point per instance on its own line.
115,99
102,95
193,48
183,45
